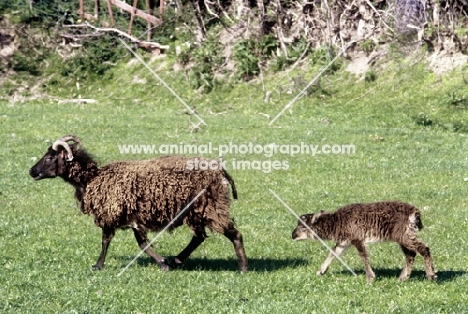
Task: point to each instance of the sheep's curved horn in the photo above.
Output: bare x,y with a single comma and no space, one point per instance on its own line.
58,143
70,137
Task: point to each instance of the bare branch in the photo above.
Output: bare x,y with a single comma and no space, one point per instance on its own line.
143,44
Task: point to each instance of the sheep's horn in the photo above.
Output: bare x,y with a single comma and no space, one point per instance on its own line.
70,137
64,145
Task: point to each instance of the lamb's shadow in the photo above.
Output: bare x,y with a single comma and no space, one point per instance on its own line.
448,275
230,264
416,274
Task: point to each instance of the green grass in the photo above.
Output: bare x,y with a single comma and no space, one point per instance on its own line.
48,247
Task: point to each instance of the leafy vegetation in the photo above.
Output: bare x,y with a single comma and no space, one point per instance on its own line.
245,56
207,59
95,58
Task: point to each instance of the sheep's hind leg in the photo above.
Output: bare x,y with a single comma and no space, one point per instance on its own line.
236,238
406,271
338,250
192,246
107,235
140,236
361,248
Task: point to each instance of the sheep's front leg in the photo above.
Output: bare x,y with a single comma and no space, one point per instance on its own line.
107,235
362,250
338,250
140,236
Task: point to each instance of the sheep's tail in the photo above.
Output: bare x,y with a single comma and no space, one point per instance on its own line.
231,182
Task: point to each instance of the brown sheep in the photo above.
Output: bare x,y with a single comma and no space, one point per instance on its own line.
145,196
358,224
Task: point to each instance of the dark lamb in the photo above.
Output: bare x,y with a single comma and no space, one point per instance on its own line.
145,196
358,224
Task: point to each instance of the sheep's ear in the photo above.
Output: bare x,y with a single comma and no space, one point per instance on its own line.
316,216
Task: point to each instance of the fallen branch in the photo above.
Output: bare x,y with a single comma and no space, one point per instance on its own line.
143,44
77,101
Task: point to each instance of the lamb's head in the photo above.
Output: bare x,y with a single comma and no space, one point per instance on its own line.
54,162
304,226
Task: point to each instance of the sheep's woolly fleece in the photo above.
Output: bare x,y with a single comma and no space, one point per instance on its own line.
151,193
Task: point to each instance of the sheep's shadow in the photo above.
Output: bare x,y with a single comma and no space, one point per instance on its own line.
416,274
230,264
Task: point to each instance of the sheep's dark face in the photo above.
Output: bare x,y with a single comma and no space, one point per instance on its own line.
50,166
302,232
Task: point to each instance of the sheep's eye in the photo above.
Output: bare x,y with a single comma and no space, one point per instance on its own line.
49,159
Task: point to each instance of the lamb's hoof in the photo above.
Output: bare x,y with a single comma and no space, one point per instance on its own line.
243,269
370,279
319,273
97,267
432,277
164,266
403,278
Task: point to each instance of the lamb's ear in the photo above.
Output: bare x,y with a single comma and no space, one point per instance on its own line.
316,216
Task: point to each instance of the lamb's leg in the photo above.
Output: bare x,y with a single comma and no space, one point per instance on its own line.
362,250
236,238
193,244
421,248
338,250
140,236
107,235
409,255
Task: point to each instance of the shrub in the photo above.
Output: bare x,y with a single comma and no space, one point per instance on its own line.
323,56
246,58
370,76
24,63
206,60
95,59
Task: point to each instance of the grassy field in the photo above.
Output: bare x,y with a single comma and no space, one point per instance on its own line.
408,128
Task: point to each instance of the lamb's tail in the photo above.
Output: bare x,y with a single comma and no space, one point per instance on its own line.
415,220
231,182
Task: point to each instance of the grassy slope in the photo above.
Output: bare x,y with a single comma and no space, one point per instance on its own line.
47,246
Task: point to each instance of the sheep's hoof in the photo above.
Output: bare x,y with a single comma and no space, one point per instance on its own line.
319,273
176,263
96,267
